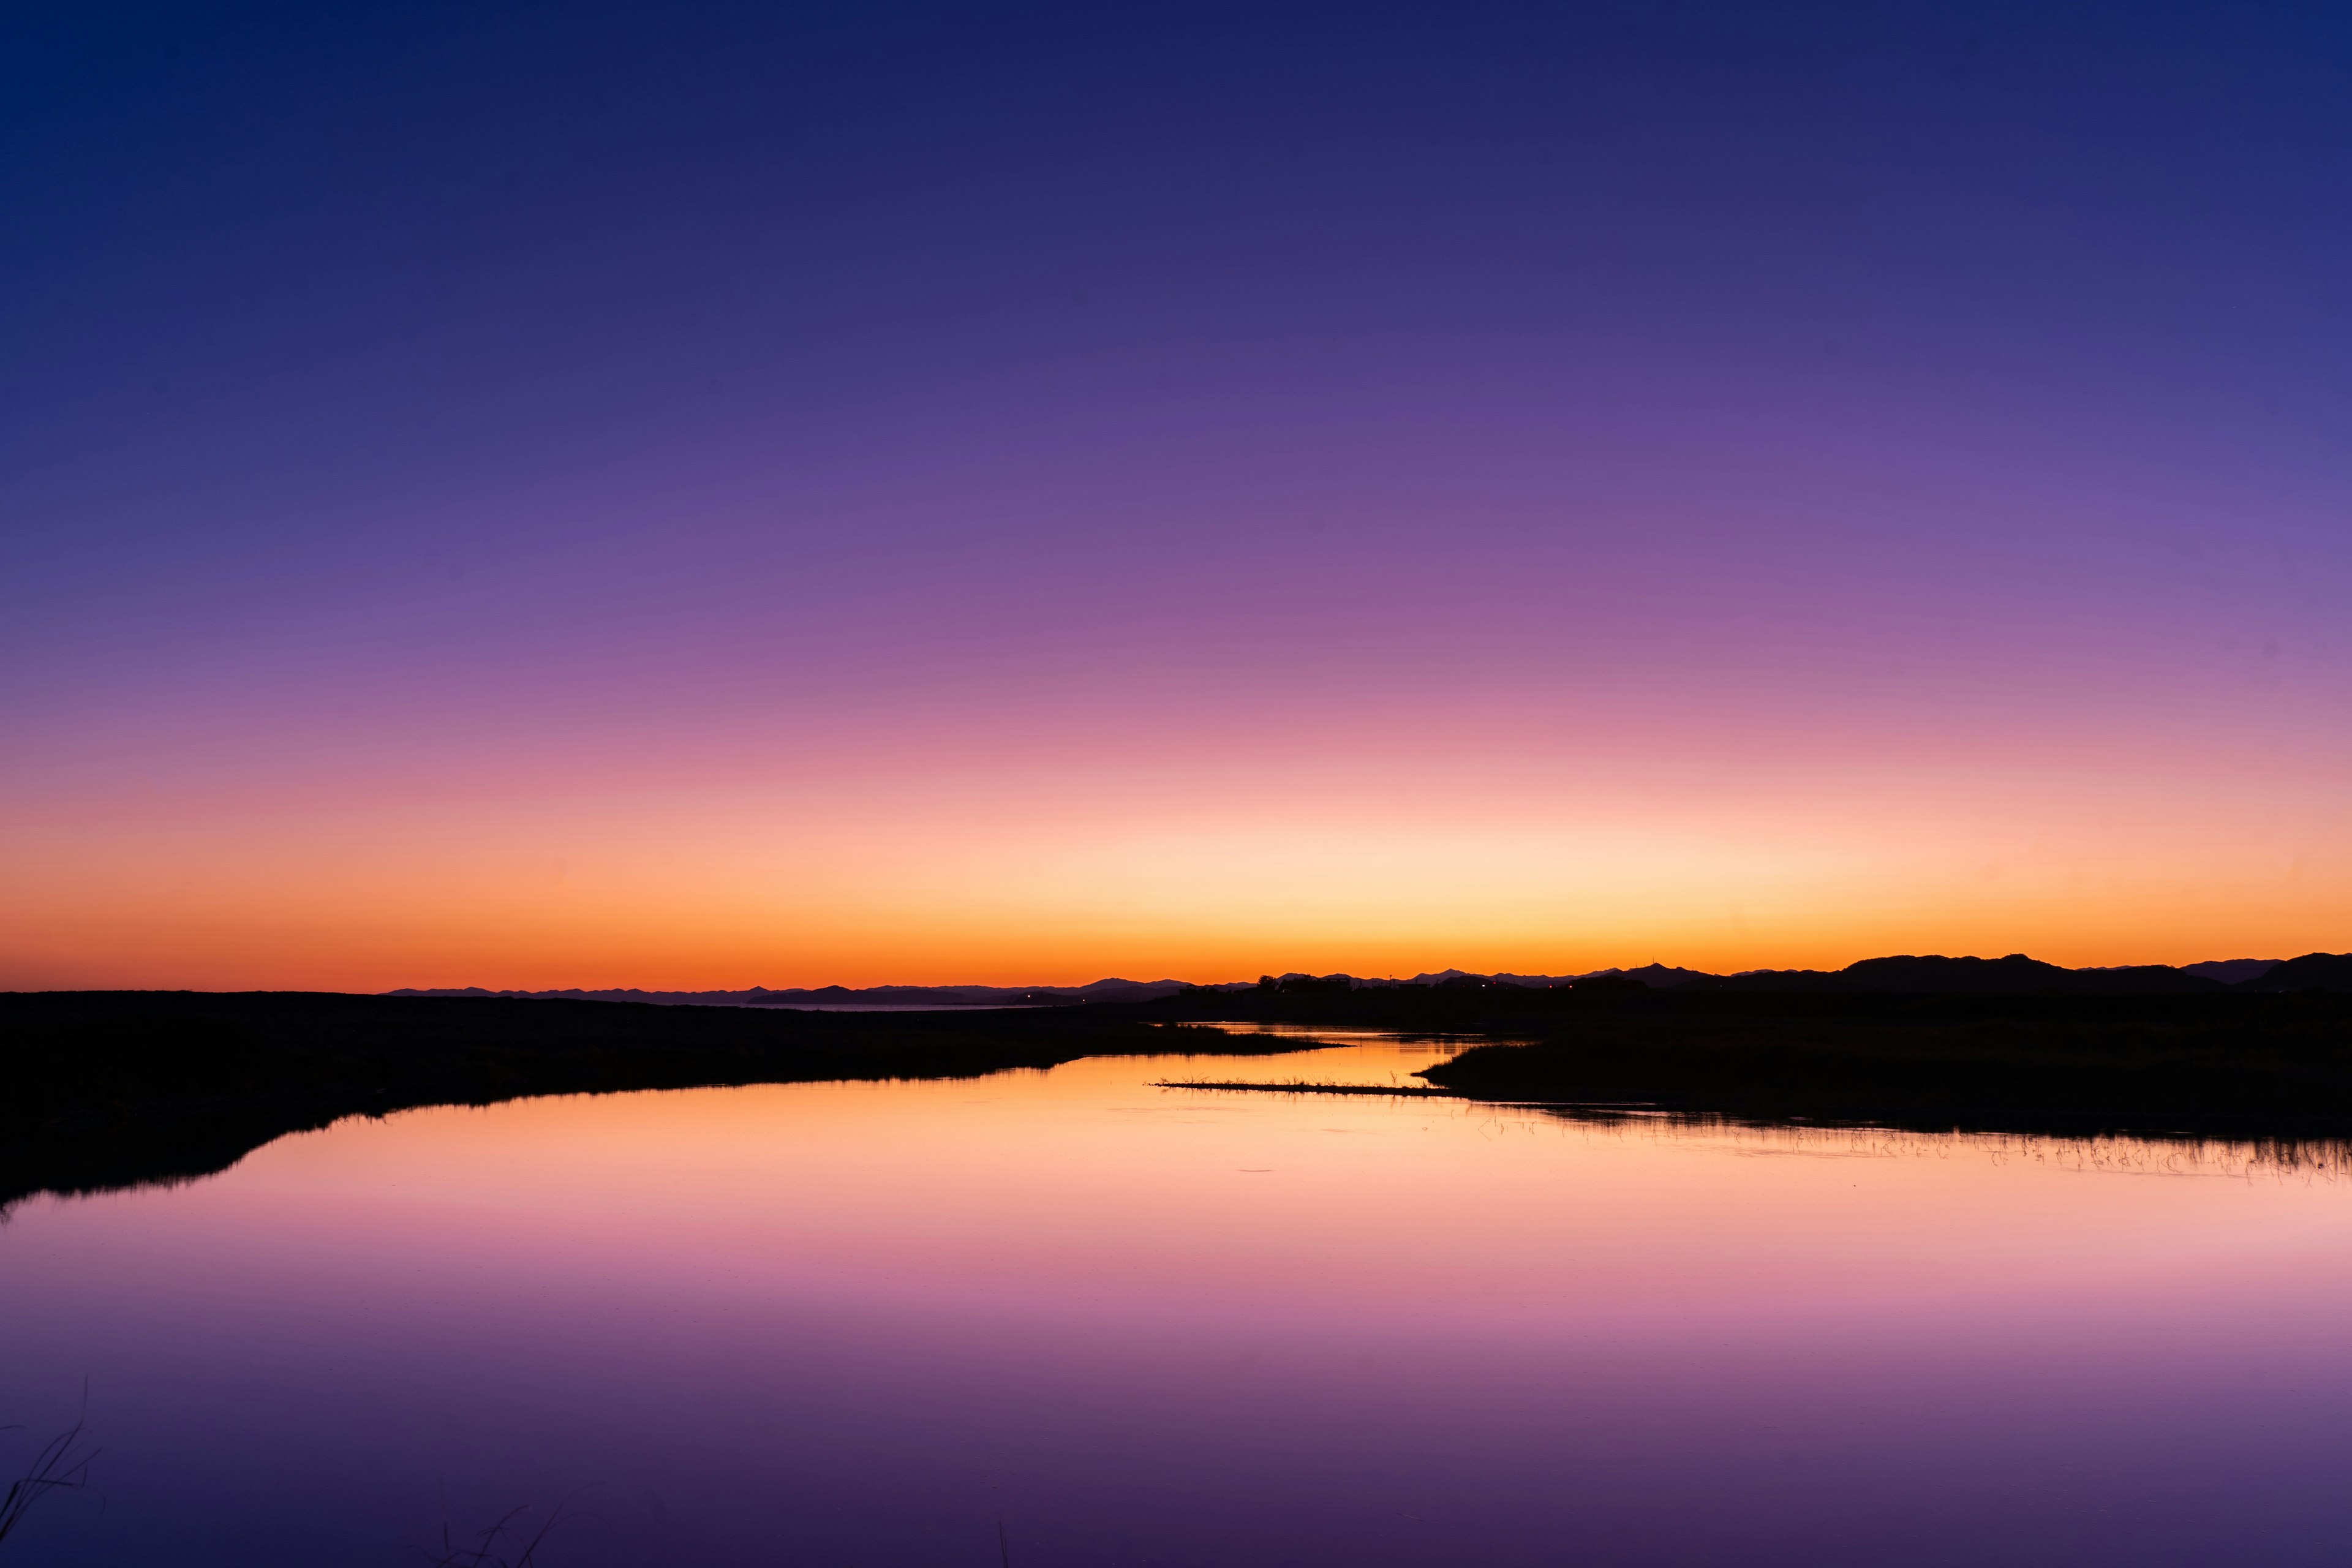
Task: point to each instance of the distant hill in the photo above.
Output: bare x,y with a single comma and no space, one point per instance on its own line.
2013,975
2233,971
2312,972
1658,976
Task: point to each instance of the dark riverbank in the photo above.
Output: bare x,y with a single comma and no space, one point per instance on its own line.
2259,1066
2216,1062
114,1088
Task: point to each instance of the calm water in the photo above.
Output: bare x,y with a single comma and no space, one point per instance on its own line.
869,1323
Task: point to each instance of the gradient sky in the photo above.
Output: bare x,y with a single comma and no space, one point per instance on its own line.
712,496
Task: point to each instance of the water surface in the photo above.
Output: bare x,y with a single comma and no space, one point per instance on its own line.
871,1323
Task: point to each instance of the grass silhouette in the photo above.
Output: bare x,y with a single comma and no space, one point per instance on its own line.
61,1465
505,1535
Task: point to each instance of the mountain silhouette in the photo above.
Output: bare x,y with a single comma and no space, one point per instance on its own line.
2013,974
2232,971
2312,972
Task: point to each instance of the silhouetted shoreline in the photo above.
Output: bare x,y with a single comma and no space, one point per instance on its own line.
2222,1063
115,1088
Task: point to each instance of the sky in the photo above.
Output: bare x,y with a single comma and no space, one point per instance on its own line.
707,496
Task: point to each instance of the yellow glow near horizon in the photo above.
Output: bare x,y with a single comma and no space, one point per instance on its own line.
1022,881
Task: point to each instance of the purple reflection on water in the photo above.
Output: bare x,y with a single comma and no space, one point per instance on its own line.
867,1323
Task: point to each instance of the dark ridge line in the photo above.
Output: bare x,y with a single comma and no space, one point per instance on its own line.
1905,973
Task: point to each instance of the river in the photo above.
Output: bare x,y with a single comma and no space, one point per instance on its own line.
1072,1317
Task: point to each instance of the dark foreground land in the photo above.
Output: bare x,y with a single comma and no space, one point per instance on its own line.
102,1089
113,1089
2218,1064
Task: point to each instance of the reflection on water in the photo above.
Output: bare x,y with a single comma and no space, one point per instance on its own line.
1347,1055
870,1322
1335,1035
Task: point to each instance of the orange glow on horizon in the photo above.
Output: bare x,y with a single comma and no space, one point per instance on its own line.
1015,880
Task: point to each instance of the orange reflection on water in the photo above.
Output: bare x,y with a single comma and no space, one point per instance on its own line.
887,1315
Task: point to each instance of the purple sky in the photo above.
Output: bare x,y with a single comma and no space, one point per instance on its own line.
565,495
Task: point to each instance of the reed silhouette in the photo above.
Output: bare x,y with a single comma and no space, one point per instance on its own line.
503,1536
60,1465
